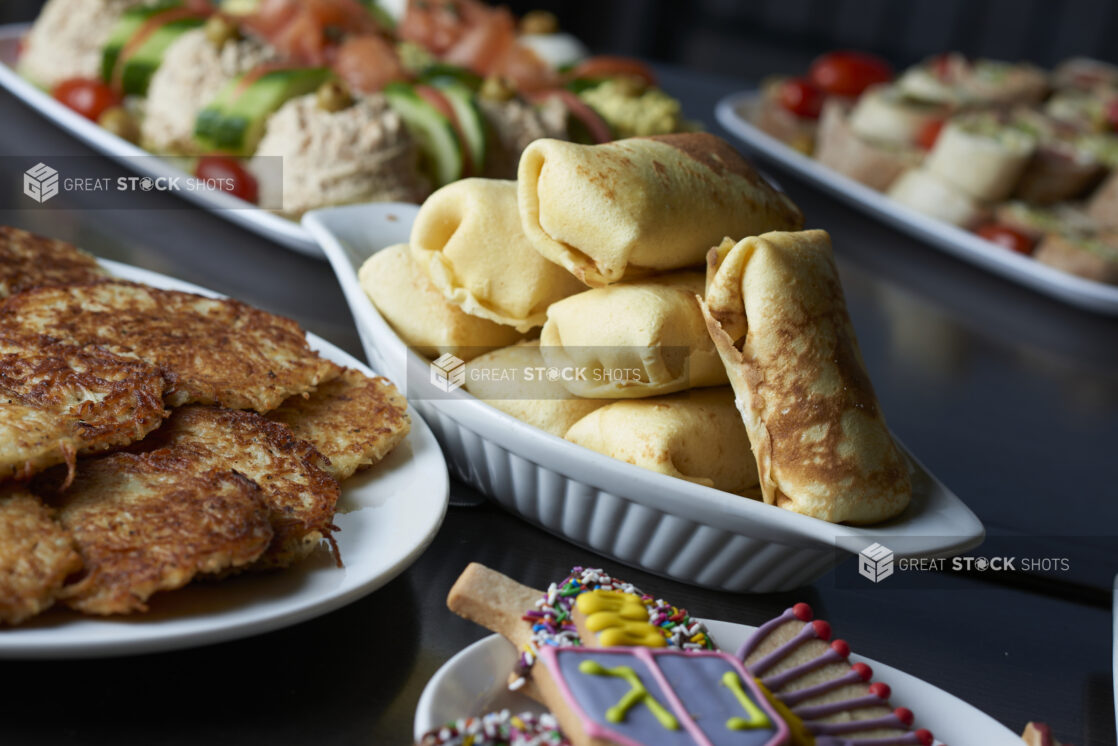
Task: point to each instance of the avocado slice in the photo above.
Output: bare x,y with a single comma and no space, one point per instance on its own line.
235,121
139,67
125,28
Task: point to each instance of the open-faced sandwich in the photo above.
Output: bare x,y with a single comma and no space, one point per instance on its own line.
956,138
358,104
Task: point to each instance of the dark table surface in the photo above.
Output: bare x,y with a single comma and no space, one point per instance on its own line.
1010,398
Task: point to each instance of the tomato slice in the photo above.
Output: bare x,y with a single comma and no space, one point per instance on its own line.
88,97
848,73
605,66
929,133
228,175
1005,236
579,109
436,98
367,63
801,97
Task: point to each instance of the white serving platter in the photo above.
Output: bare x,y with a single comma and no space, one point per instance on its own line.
1087,294
474,682
387,516
282,230
663,525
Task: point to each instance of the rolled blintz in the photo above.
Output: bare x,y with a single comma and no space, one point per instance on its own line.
468,238
981,156
514,380
697,436
884,114
420,314
642,205
877,164
776,312
631,340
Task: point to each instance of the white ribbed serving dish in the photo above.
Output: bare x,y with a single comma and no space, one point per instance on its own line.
663,525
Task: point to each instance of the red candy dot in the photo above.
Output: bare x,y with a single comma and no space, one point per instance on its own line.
803,612
841,647
925,737
822,630
904,715
880,690
864,672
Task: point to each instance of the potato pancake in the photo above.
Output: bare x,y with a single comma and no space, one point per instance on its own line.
29,261
300,495
36,555
353,420
151,522
216,350
57,401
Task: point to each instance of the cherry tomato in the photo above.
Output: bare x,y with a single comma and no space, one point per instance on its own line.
848,73
801,97
1010,238
90,98
929,133
228,175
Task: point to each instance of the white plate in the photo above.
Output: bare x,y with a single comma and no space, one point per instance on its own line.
279,229
474,682
663,525
387,516
1078,291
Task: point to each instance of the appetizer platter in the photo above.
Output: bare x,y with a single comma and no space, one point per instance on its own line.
871,700
357,102
1004,165
658,469
139,537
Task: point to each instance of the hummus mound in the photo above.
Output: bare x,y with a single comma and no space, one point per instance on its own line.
192,74
360,154
67,38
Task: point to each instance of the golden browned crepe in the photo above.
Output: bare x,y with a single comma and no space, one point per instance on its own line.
633,339
641,205
697,436
419,313
513,379
467,237
776,312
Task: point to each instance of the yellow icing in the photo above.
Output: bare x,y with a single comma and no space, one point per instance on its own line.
636,694
757,717
797,731
620,619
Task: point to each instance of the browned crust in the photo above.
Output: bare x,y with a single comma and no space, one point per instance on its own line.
29,261
301,497
151,522
217,351
57,400
353,420
36,556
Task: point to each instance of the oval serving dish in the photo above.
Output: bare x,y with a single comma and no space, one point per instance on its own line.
660,524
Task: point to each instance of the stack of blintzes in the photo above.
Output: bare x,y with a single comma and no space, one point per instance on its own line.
152,437
655,300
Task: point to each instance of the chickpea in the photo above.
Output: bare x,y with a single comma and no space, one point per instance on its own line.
220,30
496,88
118,121
333,95
539,22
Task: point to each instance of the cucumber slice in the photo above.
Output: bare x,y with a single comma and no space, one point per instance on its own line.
441,71
235,121
139,67
438,144
474,127
125,28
